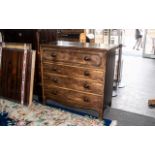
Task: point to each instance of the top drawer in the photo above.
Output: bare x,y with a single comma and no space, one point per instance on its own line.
74,56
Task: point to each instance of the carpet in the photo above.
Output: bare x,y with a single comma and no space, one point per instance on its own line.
40,115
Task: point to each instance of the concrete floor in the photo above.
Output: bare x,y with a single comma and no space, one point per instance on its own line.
125,118
139,79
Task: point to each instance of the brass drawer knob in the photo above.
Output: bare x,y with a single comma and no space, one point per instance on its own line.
53,54
87,58
86,85
86,99
86,73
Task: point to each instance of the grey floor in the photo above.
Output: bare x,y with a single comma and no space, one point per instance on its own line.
139,79
125,118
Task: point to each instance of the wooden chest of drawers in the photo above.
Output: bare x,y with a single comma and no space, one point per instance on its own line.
78,75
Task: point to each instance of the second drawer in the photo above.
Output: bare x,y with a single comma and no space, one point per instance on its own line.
78,72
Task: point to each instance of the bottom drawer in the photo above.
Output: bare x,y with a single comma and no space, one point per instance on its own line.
74,99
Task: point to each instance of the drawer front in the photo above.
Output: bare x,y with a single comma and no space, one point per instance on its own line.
74,57
90,86
73,98
76,72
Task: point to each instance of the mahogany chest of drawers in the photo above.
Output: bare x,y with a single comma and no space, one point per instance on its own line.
78,75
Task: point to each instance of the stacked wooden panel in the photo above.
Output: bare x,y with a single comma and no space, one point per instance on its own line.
17,63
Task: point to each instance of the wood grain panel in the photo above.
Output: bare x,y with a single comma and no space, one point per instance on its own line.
51,80
77,72
74,98
11,73
74,56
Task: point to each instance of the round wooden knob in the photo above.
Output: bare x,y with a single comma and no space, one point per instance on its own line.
87,58
86,99
54,69
53,54
55,80
86,85
54,92
86,73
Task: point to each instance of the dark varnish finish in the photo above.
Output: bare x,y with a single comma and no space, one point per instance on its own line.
78,75
35,37
11,72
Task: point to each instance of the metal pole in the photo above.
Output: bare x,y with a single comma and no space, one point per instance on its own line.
144,43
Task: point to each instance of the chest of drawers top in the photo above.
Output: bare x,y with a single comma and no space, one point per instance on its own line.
83,46
82,54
